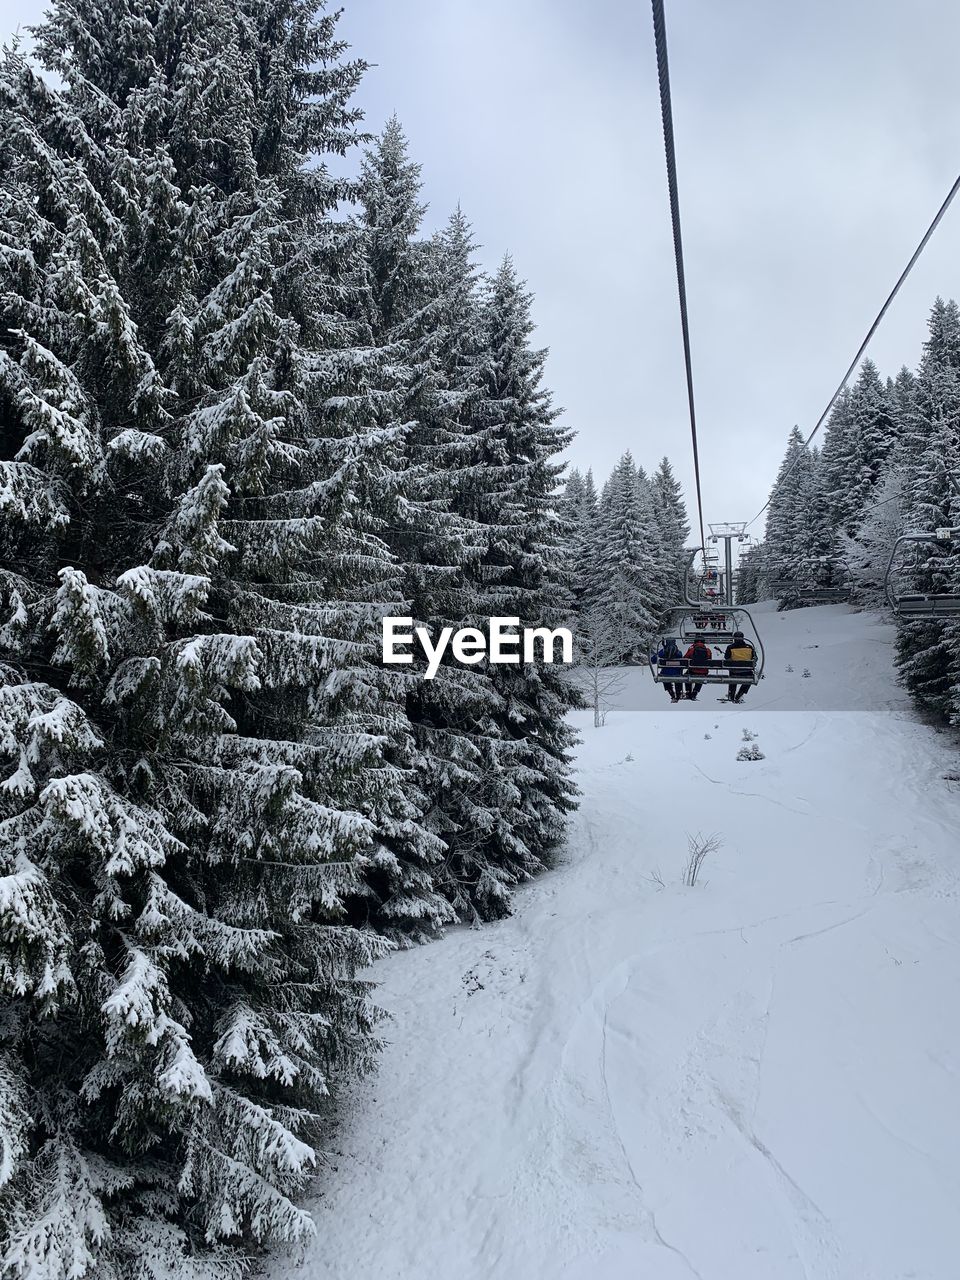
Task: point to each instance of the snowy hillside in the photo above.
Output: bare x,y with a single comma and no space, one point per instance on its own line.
751,1079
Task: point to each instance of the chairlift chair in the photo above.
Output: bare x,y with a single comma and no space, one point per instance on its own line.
715,623
823,595
706,595
688,623
803,593
920,606
827,595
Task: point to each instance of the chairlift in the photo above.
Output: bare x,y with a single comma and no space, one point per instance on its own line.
715,623
823,595
705,587
920,606
688,623
806,593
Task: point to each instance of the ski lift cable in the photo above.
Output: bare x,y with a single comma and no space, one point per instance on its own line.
866,342
666,111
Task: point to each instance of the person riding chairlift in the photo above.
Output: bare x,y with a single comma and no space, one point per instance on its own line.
741,655
671,664
698,658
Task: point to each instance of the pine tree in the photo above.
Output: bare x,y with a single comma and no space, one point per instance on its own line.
890,464
386,505
192,761
859,438
930,454
424,317
901,391
510,493
752,585
575,520
581,513
235,431
671,514
866,557
662,552
873,418
632,585
942,346
573,498
787,520
839,464
817,558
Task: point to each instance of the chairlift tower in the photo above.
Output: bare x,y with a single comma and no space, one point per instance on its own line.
726,533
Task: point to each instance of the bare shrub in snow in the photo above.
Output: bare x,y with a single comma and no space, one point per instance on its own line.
699,846
805,673
598,656
748,736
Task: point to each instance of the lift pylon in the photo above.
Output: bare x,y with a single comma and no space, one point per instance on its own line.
726,533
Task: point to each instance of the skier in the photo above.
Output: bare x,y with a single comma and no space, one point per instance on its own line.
671,664
698,657
741,655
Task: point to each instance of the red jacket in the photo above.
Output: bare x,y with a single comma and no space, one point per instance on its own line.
699,650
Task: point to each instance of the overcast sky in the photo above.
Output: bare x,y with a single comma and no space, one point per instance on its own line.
815,141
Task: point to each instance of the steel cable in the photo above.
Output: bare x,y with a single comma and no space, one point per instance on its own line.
666,111
865,343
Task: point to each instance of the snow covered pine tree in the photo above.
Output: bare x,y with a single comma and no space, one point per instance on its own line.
751,575
188,773
424,319
236,431
673,526
416,313
929,458
633,590
890,464
510,489
786,527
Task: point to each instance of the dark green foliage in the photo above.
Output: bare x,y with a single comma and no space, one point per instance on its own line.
234,432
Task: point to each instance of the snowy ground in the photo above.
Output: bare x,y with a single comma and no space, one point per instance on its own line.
753,1079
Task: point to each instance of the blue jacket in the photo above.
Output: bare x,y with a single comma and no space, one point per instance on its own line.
670,660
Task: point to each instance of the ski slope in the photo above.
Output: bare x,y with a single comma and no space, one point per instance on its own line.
753,1079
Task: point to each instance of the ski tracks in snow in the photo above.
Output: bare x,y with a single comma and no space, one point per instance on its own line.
751,1079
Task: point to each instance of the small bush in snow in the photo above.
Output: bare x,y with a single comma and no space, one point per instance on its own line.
752,752
699,846
789,667
805,673
599,649
748,736
707,736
